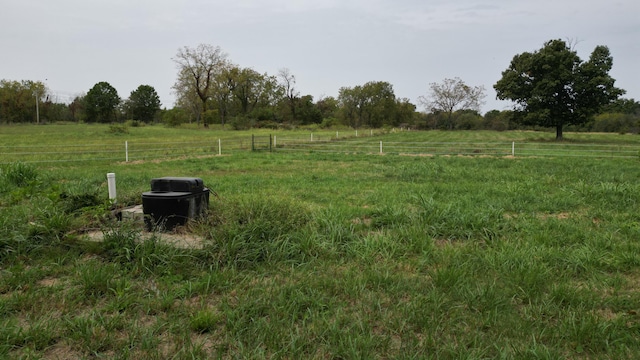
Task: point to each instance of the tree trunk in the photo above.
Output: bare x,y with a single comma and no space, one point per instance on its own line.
204,112
559,132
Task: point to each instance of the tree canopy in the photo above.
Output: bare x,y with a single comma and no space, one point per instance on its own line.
452,95
18,100
144,103
372,104
553,87
198,69
101,103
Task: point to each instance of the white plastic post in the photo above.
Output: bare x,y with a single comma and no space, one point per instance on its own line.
111,182
336,134
219,147
126,151
513,148
275,142
311,137
380,147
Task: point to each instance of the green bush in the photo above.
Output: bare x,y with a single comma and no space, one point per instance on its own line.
175,117
241,123
118,129
134,123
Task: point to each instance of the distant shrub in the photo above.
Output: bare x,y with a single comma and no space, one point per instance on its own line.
118,129
134,123
175,117
329,122
241,123
267,125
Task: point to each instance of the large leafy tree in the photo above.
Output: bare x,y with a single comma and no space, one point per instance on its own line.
450,96
101,103
553,87
372,104
405,113
308,112
18,100
144,103
328,107
379,104
246,91
198,69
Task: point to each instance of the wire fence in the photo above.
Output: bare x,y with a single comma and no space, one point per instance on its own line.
118,152
142,151
521,149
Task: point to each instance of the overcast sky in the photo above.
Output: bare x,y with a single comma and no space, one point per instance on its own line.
73,44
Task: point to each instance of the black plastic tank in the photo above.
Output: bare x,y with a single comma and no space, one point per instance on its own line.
173,201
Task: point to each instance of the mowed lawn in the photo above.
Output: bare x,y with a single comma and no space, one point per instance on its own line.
325,255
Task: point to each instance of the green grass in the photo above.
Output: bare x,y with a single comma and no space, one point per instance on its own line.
327,255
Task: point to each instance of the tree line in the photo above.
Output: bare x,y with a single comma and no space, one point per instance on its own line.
550,87
30,101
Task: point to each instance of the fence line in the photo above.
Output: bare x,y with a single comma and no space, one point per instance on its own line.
125,151
522,149
135,151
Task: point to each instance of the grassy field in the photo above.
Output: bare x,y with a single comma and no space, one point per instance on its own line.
93,144
325,255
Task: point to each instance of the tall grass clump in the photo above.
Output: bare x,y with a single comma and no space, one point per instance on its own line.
252,230
459,220
44,228
81,195
124,244
19,174
49,226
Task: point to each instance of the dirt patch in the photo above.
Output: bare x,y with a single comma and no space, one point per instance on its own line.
62,351
606,314
158,161
364,220
183,241
559,216
448,242
49,282
417,155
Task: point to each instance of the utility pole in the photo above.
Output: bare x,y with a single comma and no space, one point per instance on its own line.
37,109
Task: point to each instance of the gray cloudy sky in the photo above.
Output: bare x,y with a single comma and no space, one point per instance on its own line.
328,44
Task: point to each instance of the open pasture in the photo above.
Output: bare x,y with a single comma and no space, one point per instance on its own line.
312,254
93,144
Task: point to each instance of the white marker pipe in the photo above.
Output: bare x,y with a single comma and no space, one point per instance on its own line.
111,181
